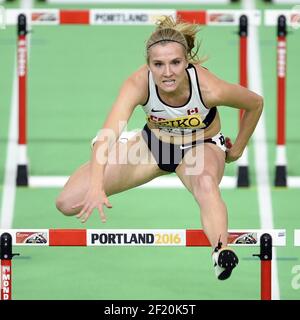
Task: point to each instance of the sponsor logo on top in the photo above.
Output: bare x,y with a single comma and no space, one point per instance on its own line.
190,121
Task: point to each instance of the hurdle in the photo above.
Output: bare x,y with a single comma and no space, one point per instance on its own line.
265,239
282,19
52,17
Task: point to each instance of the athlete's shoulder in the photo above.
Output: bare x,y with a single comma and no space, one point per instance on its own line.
137,83
140,76
208,84
204,73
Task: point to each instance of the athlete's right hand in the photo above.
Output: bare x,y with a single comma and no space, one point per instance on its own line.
93,200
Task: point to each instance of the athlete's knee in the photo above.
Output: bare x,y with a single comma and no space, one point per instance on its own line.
64,205
204,185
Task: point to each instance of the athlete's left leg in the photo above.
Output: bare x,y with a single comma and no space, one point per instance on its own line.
203,183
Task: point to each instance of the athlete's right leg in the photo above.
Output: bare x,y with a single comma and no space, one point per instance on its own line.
117,177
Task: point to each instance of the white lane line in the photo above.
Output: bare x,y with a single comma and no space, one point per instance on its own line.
260,146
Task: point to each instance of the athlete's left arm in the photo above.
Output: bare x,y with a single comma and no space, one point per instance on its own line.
223,93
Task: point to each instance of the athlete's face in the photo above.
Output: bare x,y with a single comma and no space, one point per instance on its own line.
167,63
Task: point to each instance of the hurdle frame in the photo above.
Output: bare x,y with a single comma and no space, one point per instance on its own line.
239,18
282,19
242,162
265,239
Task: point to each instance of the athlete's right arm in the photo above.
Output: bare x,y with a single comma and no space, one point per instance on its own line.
133,92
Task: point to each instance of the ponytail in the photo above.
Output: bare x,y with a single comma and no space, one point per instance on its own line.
169,30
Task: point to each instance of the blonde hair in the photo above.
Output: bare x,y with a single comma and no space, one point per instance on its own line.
169,30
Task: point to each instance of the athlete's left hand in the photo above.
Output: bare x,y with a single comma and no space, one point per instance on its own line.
231,153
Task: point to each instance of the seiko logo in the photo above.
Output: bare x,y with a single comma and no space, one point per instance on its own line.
5,282
122,238
281,63
22,58
191,121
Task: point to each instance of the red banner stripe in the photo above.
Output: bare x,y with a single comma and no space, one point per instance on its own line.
67,237
196,238
74,17
198,17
